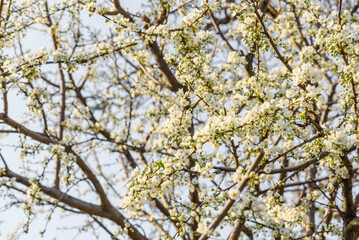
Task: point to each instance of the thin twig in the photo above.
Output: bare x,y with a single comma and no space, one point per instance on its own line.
3,160
265,31
340,12
220,32
143,68
104,227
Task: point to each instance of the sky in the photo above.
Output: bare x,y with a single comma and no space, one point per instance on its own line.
11,218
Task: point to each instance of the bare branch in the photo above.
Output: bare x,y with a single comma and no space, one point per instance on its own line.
86,207
22,129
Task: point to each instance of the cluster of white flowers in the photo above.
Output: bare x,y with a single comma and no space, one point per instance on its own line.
282,213
305,73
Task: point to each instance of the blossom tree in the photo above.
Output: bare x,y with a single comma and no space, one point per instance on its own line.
188,119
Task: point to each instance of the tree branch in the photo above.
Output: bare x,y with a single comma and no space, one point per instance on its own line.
60,132
83,206
279,55
230,202
24,130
